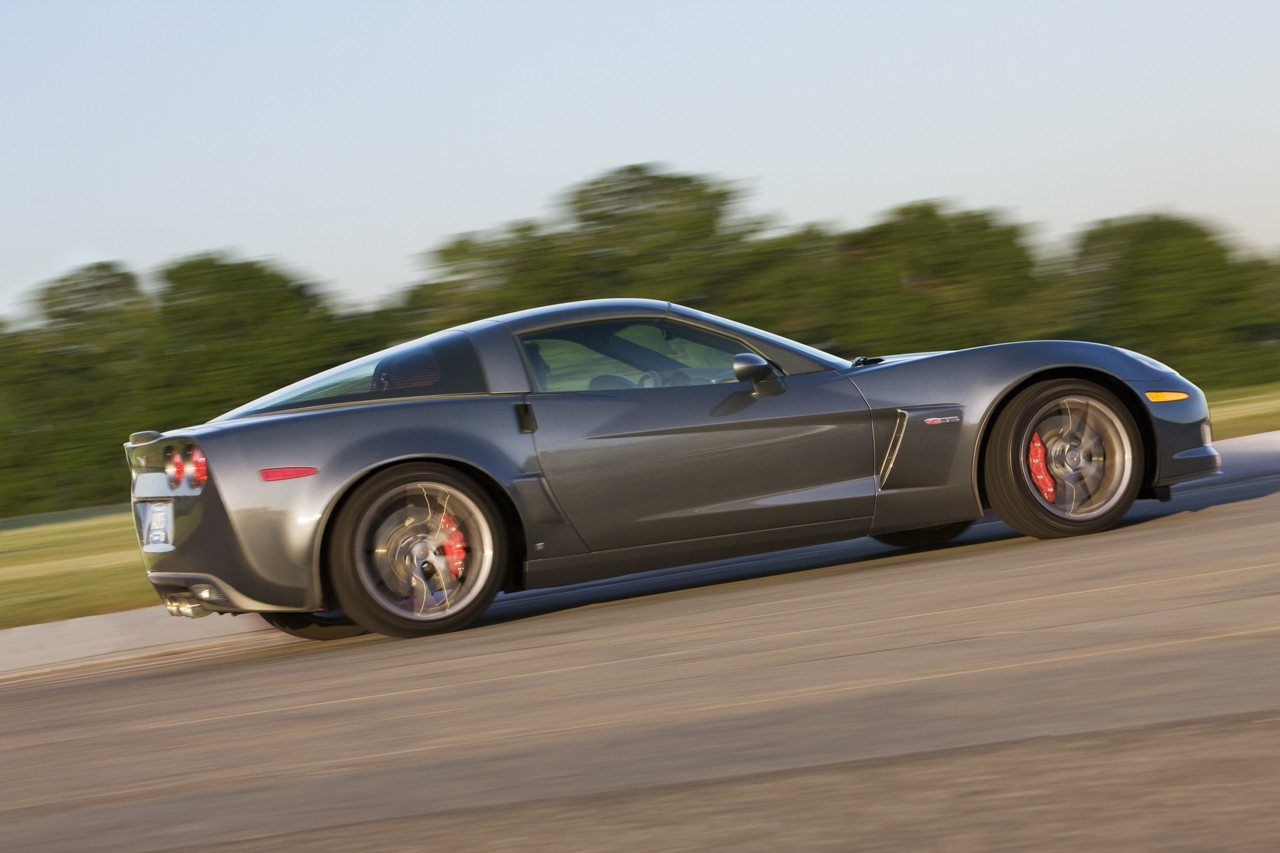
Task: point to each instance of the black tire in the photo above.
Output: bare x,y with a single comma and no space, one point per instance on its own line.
330,625
389,561
923,537
1086,471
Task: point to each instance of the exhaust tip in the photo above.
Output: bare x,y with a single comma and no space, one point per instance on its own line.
184,605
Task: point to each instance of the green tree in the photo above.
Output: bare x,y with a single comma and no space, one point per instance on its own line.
636,231
231,330
926,277
1170,287
72,384
105,357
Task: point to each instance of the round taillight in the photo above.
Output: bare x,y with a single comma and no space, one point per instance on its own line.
174,467
197,466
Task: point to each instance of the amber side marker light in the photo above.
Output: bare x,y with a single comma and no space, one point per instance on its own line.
1166,396
273,474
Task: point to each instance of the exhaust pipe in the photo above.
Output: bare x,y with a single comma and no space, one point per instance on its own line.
185,605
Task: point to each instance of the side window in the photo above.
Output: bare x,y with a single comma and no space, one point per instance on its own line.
443,363
565,365
700,354
623,354
449,366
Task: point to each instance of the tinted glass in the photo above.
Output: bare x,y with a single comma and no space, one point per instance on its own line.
443,363
617,355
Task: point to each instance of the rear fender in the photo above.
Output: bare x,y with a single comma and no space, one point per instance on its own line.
282,524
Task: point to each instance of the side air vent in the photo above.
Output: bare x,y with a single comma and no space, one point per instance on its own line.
895,442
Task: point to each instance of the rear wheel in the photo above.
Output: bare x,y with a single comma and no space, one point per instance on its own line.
923,537
329,625
418,549
1064,458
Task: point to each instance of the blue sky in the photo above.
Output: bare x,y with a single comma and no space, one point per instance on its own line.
347,138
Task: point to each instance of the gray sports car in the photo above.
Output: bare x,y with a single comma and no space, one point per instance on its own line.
400,492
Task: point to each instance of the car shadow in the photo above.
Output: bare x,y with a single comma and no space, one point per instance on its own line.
866,553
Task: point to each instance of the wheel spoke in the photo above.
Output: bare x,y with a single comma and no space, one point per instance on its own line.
1074,500
1068,418
1089,487
1092,442
1092,480
421,593
1077,420
1069,428
1086,452
426,551
1086,426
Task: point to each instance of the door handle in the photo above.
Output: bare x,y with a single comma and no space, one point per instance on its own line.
524,417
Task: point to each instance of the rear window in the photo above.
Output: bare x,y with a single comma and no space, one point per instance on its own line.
443,363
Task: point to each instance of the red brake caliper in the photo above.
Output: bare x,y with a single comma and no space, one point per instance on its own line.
1039,473
455,545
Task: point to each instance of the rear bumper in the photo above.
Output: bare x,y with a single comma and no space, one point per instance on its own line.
198,558
208,593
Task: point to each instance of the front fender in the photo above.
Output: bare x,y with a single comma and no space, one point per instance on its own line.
924,486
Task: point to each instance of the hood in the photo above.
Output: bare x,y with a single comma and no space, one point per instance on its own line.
901,357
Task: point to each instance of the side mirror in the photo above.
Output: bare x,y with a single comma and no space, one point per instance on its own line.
749,367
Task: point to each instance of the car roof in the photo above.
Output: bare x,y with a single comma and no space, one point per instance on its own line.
569,312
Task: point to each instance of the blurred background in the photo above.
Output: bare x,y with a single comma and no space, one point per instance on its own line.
203,202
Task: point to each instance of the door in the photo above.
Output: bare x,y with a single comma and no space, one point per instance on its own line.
645,437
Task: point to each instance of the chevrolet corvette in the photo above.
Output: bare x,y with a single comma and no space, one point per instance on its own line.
400,492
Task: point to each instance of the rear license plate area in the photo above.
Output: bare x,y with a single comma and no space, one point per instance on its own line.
155,522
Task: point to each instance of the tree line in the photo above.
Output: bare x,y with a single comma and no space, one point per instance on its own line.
105,356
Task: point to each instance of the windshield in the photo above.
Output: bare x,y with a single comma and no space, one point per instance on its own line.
441,363
815,354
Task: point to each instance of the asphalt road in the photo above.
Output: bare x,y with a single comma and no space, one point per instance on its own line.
1111,691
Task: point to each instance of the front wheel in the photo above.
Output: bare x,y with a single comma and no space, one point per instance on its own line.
329,625
1064,458
418,549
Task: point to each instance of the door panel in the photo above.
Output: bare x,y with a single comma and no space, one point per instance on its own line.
644,466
